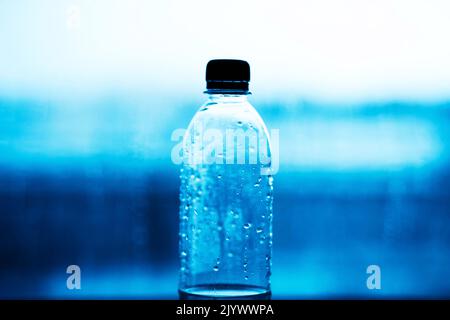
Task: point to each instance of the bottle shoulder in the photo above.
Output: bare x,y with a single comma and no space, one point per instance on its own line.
215,117
216,113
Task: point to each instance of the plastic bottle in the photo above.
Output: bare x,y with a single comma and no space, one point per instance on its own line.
226,192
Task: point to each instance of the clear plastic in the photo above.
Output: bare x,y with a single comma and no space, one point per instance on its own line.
226,197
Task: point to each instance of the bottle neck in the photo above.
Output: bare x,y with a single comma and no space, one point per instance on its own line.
227,97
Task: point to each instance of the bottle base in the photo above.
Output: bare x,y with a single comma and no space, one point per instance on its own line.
224,291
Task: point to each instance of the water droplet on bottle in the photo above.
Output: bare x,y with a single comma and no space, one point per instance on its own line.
239,123
219,176
247,226
259,230
195,212
230,255
204,109
246,277
183,253
216,268
245,265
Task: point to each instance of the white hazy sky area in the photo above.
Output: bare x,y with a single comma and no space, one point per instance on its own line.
321,50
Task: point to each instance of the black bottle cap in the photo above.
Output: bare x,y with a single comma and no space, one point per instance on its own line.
228,76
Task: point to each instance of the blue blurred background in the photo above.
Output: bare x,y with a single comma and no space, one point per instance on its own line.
90,93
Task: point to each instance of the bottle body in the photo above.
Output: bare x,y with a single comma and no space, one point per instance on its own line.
226,197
